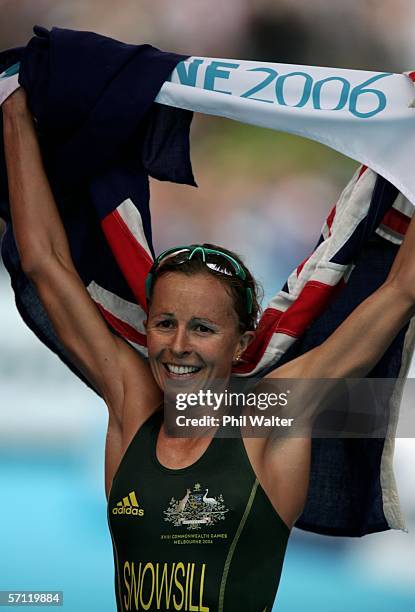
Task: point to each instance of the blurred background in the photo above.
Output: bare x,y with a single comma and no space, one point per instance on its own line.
261,193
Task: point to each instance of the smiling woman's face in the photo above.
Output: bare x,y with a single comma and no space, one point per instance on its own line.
192,330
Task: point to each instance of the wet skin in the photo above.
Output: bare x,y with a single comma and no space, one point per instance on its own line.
192,322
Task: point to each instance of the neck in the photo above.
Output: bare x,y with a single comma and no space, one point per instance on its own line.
178,453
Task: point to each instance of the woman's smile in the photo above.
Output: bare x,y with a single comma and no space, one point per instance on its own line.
192,330
181,371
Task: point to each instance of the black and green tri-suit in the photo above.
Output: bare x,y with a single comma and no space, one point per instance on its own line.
202,538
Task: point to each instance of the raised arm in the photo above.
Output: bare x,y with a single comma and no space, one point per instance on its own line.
112,367
351,351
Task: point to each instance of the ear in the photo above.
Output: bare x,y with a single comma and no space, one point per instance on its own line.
245,339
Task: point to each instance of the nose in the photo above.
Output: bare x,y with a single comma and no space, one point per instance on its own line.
179,345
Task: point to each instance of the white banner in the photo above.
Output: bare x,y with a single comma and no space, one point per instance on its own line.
368,116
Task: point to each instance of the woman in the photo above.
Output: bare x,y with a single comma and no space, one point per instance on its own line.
197,523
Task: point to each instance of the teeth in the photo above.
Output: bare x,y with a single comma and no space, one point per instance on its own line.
174,369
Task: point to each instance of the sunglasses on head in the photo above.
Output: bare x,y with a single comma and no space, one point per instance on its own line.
209,257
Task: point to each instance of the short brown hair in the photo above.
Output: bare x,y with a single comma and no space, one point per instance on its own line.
235,285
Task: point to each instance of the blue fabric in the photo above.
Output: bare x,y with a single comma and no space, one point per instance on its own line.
345,494
345,473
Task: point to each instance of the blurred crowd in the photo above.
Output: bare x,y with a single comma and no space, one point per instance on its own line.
370,34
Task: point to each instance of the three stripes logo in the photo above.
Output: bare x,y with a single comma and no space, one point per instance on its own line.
129,505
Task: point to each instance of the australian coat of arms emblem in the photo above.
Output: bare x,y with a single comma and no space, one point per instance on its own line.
196,509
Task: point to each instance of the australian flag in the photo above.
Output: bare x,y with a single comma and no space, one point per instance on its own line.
102,136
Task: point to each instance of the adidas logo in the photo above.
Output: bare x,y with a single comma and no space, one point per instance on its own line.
128,505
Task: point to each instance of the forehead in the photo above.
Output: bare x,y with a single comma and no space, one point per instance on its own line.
196,295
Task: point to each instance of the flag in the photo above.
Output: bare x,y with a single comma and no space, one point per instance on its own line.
101,137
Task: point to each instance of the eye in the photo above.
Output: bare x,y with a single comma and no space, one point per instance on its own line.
165,324
203,329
